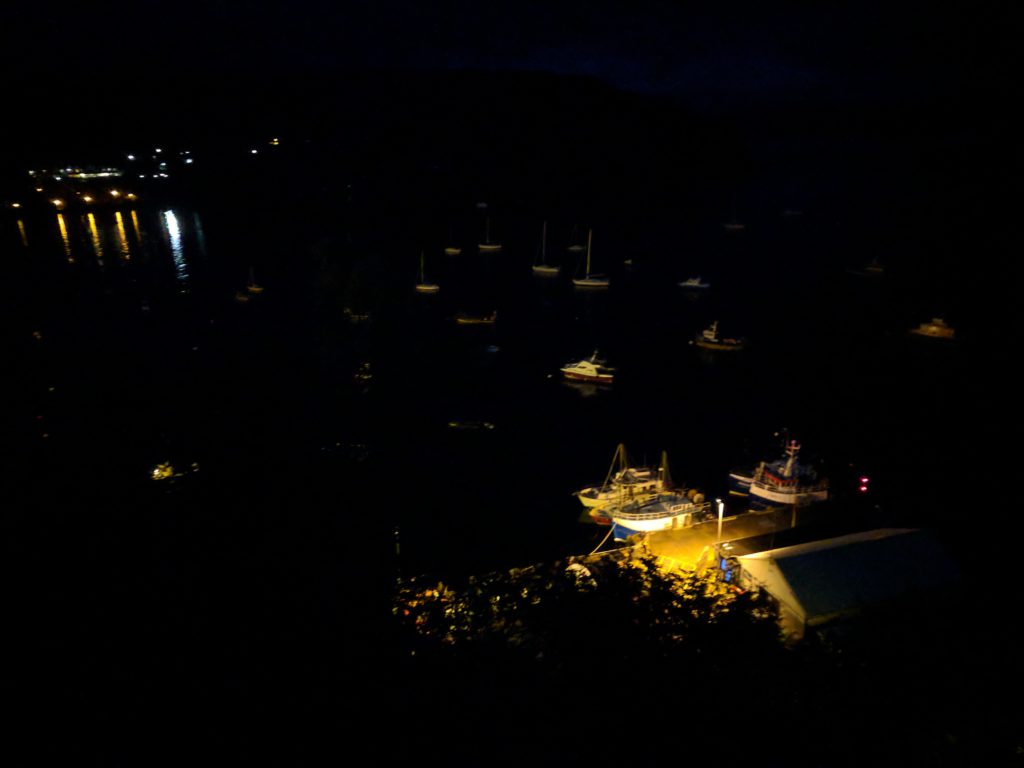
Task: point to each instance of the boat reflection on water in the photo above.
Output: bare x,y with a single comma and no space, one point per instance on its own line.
585,388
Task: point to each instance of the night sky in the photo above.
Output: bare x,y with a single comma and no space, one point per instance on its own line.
91,59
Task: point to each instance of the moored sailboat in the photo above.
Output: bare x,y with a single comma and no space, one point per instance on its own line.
542,267
423,286
589,279
487,246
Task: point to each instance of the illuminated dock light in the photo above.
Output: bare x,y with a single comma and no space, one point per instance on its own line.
57,202
115,193
15,205
130,196
87,198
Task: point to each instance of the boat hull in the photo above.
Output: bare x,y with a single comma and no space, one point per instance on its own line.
739,483
596,379
723,345
591,282
662,515
545,271
427,288
763,496
484,248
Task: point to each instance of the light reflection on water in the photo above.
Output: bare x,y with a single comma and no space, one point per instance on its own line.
174,233
64,236
21,231
135,226
122,237
97,244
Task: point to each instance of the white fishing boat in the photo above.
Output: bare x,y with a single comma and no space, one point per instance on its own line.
665,510
709,339
423,286
937,328
589,279
542,267
594,369
695,284
622,483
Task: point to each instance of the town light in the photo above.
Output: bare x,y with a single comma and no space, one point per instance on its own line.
57,202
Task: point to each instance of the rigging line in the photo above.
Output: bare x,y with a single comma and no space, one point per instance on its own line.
610,529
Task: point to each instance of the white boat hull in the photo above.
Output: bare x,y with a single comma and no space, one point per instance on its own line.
664,515
799,497
591,282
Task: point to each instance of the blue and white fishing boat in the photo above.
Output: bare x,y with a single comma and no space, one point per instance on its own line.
663,512
787,481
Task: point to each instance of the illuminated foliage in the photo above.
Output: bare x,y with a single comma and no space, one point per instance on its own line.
630,609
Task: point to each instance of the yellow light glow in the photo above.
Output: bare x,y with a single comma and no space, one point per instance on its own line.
97,244
122,237
87,198
39,189
115,193
58,202
130,196
21,231
15,205
64,236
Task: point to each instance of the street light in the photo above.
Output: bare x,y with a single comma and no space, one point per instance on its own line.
721,511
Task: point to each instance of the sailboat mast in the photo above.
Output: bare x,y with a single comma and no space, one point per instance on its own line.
590,234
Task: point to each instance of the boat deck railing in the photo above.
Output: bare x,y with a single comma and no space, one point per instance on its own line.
673,511
793,489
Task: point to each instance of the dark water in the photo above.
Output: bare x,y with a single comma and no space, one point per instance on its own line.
146,356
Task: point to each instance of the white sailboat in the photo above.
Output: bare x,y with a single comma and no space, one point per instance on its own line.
423,286
590,280
452,250
487,246
574,245
253,286
543,268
